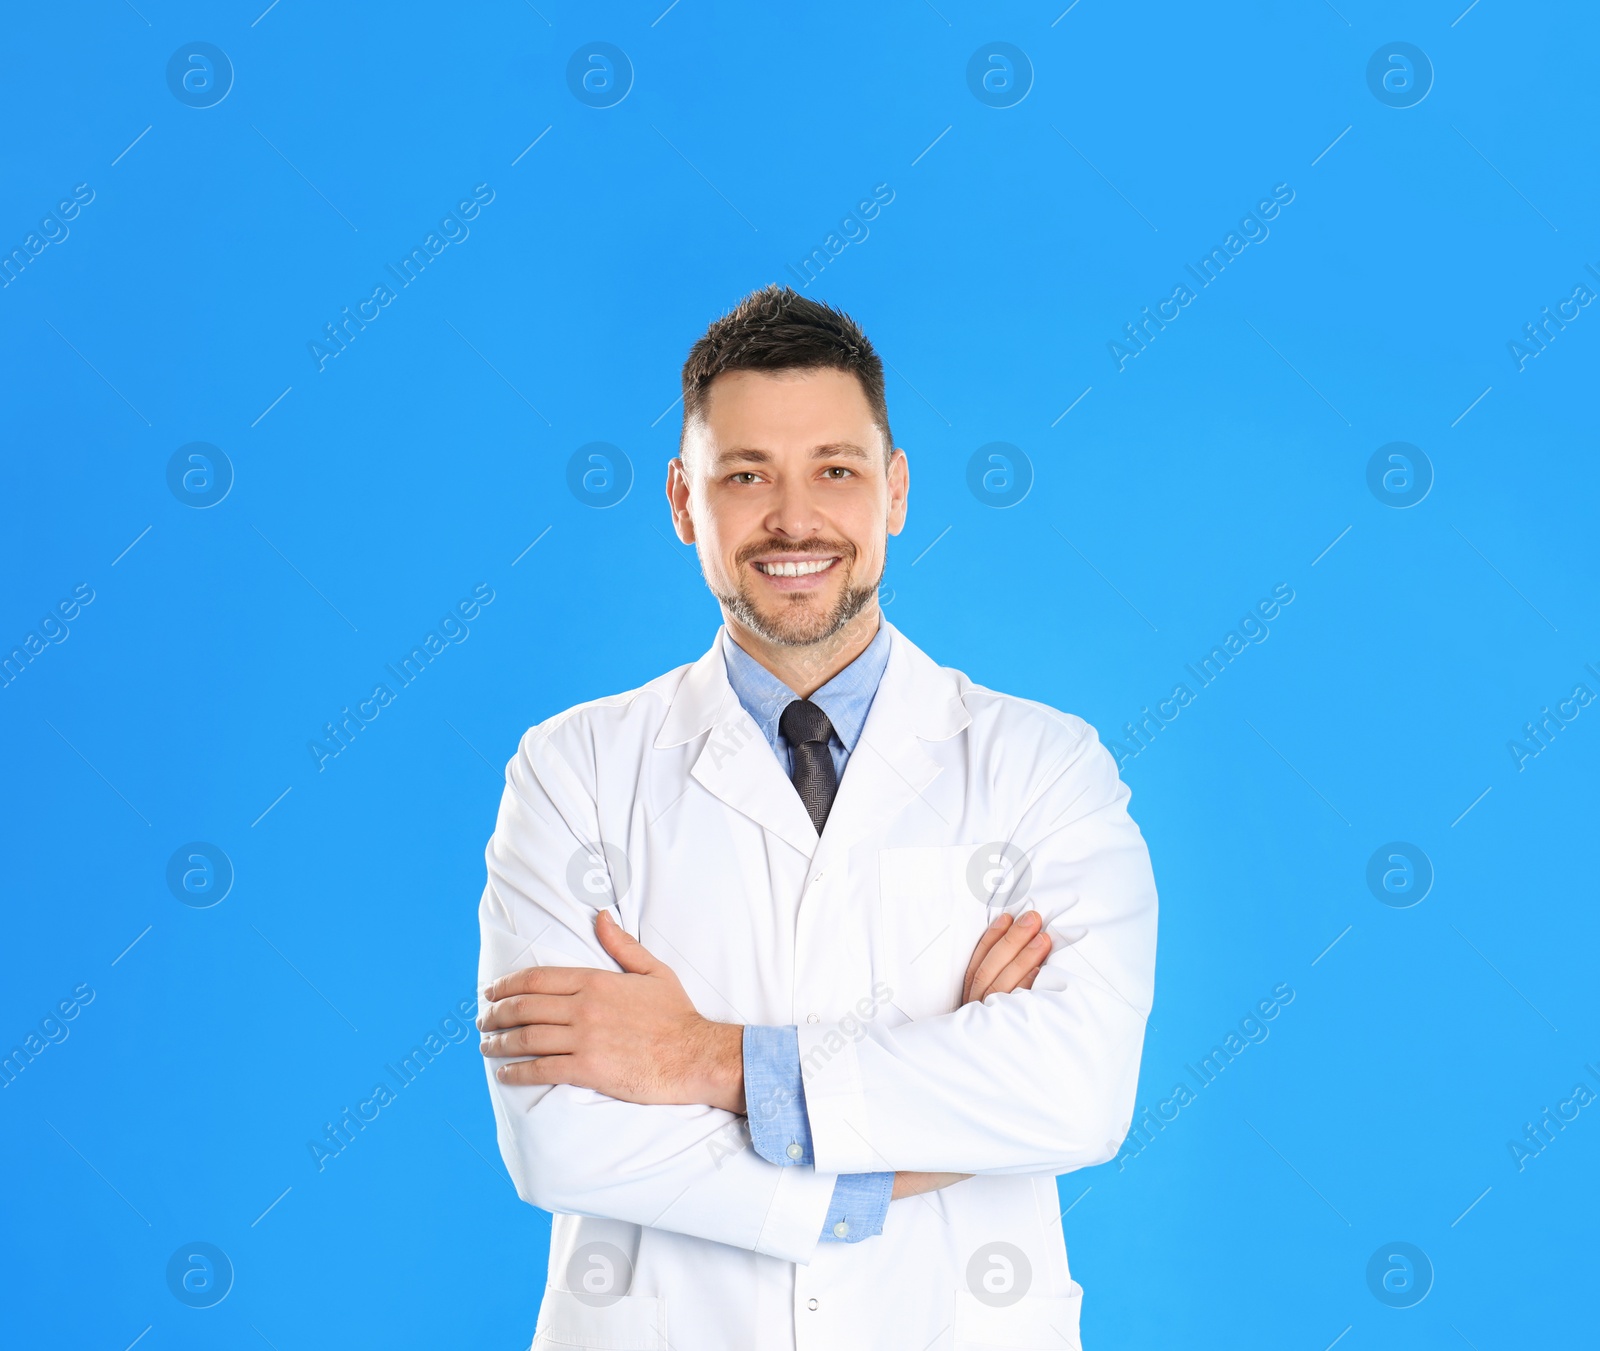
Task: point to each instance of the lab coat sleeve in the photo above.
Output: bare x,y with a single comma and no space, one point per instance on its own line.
688,1169
1034,1081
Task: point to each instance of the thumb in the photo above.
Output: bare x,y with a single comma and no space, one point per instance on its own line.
628,951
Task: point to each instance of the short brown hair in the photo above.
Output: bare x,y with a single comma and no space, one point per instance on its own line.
778,329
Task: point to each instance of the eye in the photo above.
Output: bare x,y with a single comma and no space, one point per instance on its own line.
744,476
837,472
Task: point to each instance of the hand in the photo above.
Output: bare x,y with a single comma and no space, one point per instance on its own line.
915,1184
630,1034
1008,957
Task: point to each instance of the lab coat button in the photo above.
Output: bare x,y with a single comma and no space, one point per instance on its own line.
811,1304
795,1151
841,1229
812,1018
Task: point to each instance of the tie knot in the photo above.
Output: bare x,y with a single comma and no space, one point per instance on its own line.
803,721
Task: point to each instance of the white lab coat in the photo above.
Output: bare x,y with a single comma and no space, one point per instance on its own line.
670,1232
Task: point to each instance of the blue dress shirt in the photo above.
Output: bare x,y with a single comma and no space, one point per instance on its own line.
775,1100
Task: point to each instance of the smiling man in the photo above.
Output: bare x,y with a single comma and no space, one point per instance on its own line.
808,966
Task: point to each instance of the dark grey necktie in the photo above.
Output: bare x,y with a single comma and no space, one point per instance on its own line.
807,729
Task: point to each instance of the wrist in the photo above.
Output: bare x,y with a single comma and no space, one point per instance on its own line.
721,1067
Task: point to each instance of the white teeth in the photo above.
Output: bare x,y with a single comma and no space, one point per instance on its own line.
794,569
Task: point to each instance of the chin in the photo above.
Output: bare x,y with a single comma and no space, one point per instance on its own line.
802,622
799,627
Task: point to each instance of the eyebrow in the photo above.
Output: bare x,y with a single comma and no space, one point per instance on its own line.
830,450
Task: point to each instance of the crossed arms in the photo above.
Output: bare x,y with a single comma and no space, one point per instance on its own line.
631,1108
635,1036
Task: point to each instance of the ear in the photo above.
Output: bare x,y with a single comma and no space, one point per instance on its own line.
678,500
899,490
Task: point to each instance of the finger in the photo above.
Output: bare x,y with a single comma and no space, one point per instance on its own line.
523,1009
986,940
1026,983
1006,966
1031,957
1014,940
547,1069
538,980
527,1041
630,954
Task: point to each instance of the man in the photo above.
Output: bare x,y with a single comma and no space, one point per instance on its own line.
808,966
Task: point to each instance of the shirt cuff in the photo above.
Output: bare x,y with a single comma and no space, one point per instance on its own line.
860,1203
774,1100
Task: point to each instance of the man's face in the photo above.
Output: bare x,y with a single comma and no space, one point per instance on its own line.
784,491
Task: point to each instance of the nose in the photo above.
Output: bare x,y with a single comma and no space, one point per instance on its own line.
794,513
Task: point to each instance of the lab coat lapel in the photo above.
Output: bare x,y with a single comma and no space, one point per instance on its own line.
736,764
916,701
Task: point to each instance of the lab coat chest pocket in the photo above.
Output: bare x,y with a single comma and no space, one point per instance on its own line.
929,922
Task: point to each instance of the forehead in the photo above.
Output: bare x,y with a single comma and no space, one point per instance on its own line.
784,410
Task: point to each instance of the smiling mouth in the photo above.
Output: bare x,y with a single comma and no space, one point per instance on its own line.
795,568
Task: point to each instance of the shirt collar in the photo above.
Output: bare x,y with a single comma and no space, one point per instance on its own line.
846,699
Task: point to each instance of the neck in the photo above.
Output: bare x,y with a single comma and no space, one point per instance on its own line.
806,669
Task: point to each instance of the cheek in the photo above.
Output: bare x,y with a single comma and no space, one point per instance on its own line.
864,525
869,553
717,559
714,543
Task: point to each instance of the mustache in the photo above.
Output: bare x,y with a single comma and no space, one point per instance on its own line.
843,548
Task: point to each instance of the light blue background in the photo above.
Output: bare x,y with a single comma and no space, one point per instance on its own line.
1175,494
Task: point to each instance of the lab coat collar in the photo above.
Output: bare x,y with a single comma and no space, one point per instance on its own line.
917,700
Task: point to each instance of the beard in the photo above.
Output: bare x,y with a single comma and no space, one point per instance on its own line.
794,622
